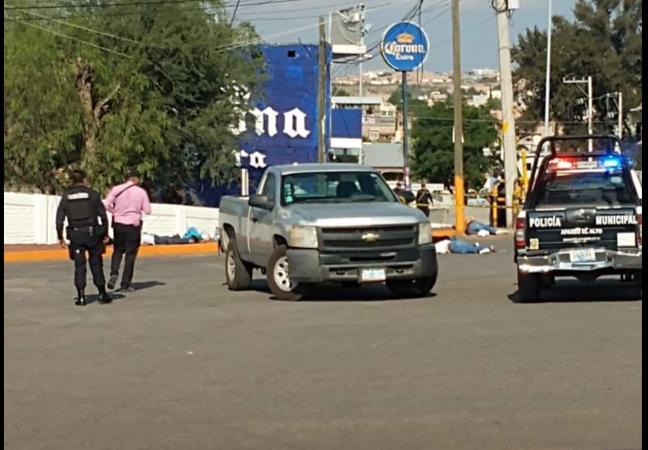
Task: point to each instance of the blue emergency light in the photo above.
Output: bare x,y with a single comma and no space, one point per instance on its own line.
611,162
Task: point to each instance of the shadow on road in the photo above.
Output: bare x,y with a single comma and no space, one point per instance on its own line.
328,292
572,291
90,299
138,286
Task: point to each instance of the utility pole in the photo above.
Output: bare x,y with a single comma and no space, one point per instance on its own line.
406,173
590,109
460,222
548,74
620,107
362,33
321,94
508,118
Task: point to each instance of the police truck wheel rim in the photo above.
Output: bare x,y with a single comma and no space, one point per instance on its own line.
231,266
282,275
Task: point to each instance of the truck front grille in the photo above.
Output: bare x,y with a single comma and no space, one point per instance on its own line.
368,238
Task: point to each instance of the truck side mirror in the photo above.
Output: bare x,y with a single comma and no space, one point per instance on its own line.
261,201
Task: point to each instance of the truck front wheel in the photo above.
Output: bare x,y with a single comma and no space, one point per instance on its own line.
419,287
238,274
278,276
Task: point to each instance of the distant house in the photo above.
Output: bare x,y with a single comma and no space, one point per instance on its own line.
386,158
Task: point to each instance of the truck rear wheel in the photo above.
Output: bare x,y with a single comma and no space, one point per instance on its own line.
528,287
419,287
238,274
278,276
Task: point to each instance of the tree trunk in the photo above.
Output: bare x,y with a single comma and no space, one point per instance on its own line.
83,83
92,112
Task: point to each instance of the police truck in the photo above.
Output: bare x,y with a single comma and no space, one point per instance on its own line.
582,217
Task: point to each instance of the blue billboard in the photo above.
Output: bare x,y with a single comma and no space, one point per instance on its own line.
281,126
346,129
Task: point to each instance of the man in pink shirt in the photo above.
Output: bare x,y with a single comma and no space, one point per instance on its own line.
126,202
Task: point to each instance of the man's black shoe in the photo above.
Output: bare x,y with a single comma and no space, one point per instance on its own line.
127,289
104,297
112,282
80,301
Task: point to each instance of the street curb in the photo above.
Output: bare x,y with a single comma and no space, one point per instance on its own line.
152,250
440,233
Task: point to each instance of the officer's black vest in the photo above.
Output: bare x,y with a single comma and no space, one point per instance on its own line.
81,206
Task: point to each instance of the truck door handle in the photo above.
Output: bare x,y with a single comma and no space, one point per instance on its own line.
254,219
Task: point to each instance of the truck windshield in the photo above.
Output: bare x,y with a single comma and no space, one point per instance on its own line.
584,188
335,187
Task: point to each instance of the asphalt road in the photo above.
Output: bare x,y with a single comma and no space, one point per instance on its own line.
182,363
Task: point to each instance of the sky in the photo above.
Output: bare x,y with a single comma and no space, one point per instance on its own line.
289,21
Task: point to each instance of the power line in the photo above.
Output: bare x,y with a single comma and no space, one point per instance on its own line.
102,5
241,14
283,33
238,2
254,19
65,36
90,30
408,16
135,3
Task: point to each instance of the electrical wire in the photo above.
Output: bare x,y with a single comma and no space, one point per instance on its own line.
238,2
138,3
65,36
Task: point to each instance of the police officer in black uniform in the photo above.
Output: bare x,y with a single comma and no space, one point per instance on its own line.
399,191
83,206
423,200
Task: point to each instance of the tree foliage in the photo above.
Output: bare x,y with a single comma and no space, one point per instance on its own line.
433,147
157,86
414,105
603,41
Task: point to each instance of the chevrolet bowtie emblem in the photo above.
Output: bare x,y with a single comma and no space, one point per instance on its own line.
370,237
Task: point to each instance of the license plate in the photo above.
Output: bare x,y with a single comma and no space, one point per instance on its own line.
582,255
587,165
372,275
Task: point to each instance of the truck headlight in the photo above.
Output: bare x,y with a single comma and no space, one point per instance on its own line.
425,233
302,237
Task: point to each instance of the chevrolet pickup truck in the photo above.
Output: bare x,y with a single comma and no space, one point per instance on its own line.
582,217
315,223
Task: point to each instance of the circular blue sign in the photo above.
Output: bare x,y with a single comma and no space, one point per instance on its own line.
404,46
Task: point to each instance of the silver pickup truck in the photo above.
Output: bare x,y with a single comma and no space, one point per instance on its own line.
316,223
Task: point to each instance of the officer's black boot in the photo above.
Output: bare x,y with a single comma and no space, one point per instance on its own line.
81,299
112,282
104,297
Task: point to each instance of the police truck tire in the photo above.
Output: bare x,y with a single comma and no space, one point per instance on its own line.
278,276
238,274
528,287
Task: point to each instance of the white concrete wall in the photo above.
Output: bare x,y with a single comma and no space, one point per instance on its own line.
30,219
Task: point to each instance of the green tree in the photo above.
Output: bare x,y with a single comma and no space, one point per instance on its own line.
41,127
414,105
603,41
158,87
433,148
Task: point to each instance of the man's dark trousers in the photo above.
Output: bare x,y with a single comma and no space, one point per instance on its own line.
127,239
87,239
